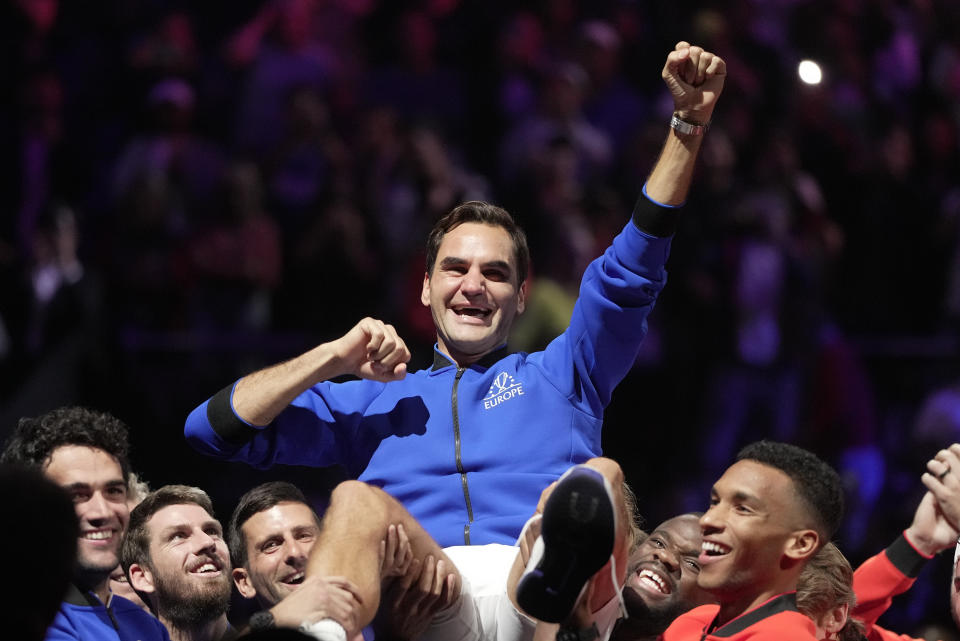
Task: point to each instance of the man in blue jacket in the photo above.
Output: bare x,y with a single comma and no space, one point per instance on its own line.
85,453
468,444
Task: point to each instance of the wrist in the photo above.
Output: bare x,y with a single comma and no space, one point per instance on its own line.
692,116
922,542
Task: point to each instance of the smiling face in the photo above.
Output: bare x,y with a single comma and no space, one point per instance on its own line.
188,575
95,482
278,542
753,535
473,293
662,582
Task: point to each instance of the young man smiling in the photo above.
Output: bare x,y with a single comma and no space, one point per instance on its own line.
467,445
769,514
85,453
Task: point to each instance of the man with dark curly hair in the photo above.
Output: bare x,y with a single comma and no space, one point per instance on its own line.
85,453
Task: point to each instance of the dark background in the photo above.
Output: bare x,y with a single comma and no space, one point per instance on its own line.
194,190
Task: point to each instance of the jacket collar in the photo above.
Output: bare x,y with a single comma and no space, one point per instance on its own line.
786,602
441,360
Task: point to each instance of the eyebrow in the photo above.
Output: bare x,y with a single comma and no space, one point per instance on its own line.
81,485
663,534
171,529
450,261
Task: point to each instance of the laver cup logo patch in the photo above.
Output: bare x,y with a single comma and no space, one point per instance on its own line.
503,389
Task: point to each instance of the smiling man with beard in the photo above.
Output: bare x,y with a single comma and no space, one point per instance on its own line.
176,559
662,580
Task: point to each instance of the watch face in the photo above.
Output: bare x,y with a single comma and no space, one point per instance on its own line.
261,620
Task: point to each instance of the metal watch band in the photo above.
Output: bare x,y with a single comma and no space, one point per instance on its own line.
688,128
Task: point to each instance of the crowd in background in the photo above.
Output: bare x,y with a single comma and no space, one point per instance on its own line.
193,190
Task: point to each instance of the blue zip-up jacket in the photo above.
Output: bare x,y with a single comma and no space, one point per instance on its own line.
468,451
82,617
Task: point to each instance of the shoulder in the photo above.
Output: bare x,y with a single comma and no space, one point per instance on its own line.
691,624
130,614
786,626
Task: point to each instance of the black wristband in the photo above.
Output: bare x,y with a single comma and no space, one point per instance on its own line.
261,620
570,634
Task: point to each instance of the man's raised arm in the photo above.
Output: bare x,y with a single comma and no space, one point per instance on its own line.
695,78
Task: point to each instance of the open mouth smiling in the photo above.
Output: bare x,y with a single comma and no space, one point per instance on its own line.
712,550
471,311
654,581
98,536
206,567
293,579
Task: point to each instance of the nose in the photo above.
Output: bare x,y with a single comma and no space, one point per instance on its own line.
472,282
296,553
97,508
710,521
667,557
205,542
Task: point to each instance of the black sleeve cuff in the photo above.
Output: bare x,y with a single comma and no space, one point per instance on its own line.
905,558
224,421
654,219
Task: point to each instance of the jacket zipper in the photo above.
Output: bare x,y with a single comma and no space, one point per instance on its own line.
463,474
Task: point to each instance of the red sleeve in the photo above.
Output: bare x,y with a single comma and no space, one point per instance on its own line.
883,576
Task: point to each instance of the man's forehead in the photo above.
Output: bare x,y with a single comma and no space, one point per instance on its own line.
755,480
81,463
685,527
477,236
179,515
279,517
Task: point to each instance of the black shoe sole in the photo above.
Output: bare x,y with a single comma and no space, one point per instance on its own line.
579,527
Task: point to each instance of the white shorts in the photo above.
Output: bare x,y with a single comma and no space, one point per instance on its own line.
484,612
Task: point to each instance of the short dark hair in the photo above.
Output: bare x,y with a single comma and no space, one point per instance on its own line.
477,211
816,482
136,543
261,498
34,439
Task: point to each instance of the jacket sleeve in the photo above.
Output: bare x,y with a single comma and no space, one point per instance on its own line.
609,320
882,577
319,428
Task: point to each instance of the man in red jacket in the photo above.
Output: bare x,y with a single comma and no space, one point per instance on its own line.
770,512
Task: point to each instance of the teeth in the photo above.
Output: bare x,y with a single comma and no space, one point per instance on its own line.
206,567
296,578
654,580
98,535
714,548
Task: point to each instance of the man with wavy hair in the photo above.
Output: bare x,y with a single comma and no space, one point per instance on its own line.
85,453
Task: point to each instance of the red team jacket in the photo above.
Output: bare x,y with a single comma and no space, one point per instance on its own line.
775,620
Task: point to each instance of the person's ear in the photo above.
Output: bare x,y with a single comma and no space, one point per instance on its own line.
425,292
522,293
834,620
141,578
802,545
242,580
